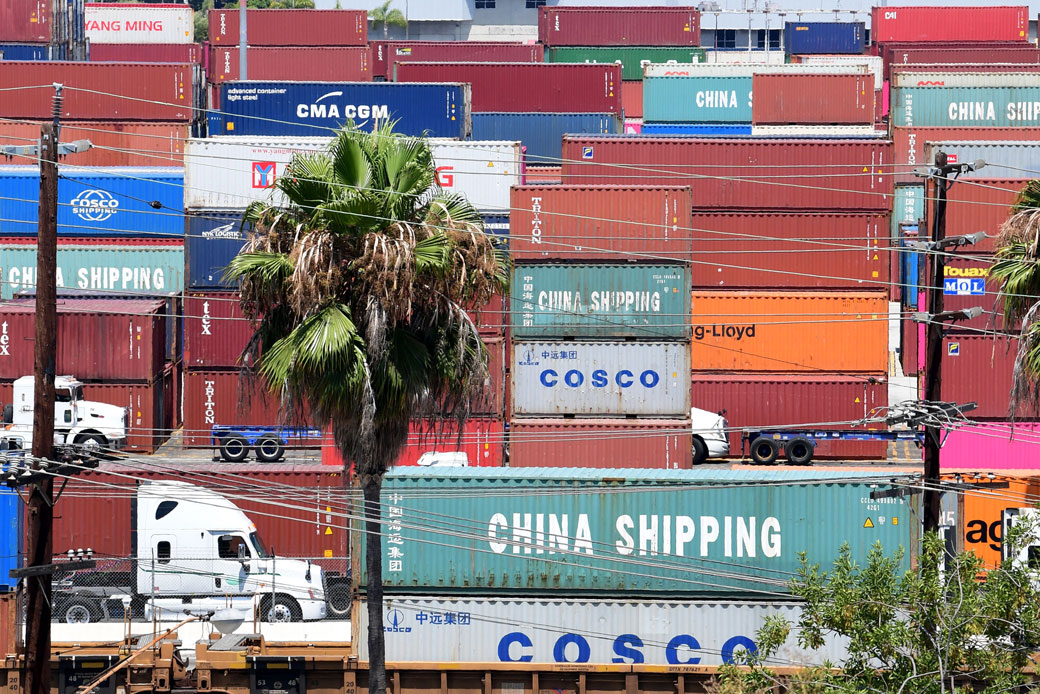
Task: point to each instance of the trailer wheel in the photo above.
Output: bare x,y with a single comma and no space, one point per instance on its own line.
269,449
234,448
79,611
799,450
764,450
700,450
282,609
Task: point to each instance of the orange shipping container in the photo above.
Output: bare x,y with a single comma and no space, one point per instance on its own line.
842,332
979,513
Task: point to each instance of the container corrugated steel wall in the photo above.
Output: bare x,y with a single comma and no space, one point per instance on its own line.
699,129
789,255
716,56
983,207
662,444
632,58
600,223
873,64
212,239
980,513
97,267
12,547
993,446
25,51
600,378
605,520
217,397
824,37
386,53
305,108
454,630
103,202
966,106
481,441
148,423
530,87
821,99
1007,160
977,368
925,54
697,99
965,76
809,399
969,24
836,65
26,20
146,53
790,331
215,331
966,284
291,27
542,133
910,143
296,63
632,100
619,26
643,301
116,143
681,161
107,22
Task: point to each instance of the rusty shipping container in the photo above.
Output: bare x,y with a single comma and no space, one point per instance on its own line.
910,144
527,87
601,443
763,250
146,53
939,24
385,54
790,331
979,205
98,339
149,407
619,26
791,99
977,368
764,400
482,442
295,63
596,222
291,27
102,91
116,143
722,172
215,331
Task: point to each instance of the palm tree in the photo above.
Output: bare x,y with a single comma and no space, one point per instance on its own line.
357,288
386,17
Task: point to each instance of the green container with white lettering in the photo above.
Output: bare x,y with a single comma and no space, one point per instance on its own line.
994,107
632,58
697,99
651,302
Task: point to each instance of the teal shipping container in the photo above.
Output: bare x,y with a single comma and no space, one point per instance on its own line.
998,107
632,58
644,301
689,533
697,100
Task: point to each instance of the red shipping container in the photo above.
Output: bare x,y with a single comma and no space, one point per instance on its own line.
291,27
648,223
977,368
964,53
101,91
386,53
527,87
25,21
539,175
146,53
116,143
764,250
601,443
978,204
722,172
910,143
819,401
619,26
632,98
963,269
482,441
493,318
105,340
326,63
939,24
149,419
219,397
215,331
908,346
796,99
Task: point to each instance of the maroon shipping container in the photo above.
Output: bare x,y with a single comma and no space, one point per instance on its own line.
908,346
615,223
928,54
386,53
601,443
796,99
632,98
910,143
941,24
978,368
215,331
291,27
220,397
146,53
963,269
527,87
741,174
482,442
116,143
492,318
149,415
764,400
290,513
619,26
131,91
978,204
98,339
765,250
25,21
326,63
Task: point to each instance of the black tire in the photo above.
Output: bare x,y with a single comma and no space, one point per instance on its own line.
283,609
700,450
234,448
764,450
8,415
91,441
337,599
799,451
269,449
78,611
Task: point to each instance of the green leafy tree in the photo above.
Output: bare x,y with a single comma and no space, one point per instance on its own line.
357,288
385,17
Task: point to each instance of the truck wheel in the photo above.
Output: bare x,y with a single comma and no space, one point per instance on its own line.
79,612
765,450
91,441
282,609
234,448
269,449
700,450
799,451
337,599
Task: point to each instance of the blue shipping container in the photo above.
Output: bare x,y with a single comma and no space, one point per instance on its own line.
11,537
697,99
113,201
211,240
542,133
315,108
808,38
25,51
699,129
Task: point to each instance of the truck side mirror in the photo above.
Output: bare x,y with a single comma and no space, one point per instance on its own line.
242,553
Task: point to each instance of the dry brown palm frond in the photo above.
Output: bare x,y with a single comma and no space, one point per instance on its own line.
1021,227
316,273
385,270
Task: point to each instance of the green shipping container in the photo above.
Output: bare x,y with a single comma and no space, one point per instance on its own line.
624,531
644,301
632,58
697,100
115,268
908,207
999,107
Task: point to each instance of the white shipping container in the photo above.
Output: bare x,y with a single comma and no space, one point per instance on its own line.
874,64
745,57
601,378
227,173
915,78
139,23
600,632
709,70
817,131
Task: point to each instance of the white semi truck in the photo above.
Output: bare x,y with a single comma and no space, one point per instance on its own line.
76,421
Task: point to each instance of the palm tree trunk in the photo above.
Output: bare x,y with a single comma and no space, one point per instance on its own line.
371,486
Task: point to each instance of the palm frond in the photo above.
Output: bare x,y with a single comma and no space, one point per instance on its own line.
350,162
305,182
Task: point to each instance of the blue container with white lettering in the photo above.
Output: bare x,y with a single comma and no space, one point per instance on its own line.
211,240
809,38
109,201
542,133
25,51
697,99
319,108
996,107
698,129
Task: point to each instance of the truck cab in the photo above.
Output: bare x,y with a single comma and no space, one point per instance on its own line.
710,435
76,421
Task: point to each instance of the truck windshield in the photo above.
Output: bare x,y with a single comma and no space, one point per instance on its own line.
68,394
258,545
